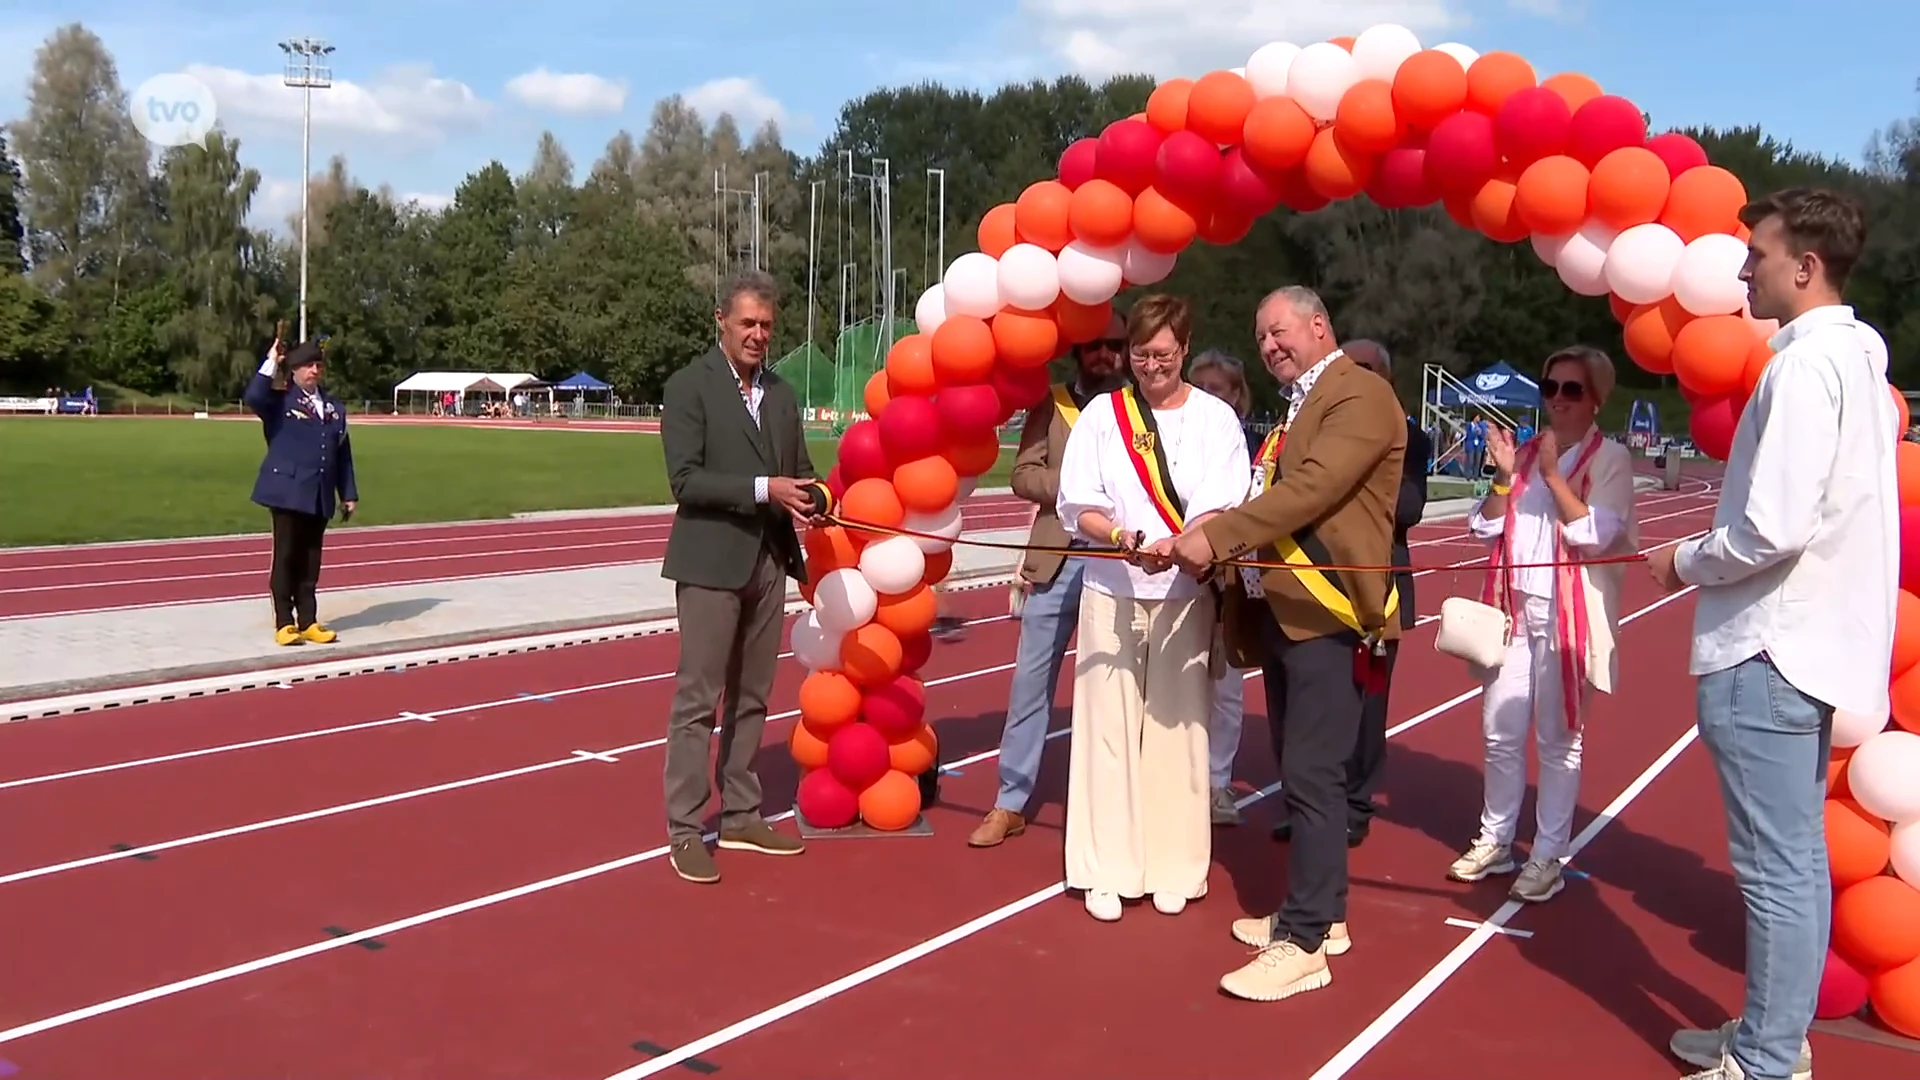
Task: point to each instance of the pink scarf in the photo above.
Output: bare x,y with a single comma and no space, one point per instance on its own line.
1570,621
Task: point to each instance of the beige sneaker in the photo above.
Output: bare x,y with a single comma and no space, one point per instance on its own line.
1482,860
1539,881
1707,1048
1259,934
1278,972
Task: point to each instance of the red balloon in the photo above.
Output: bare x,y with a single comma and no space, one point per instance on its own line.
1400,180
1603,125
857,755
1077,163
836,483
910,428
896,708
968,411
915,651
1712,426
1187,169
1678,151
826,802
1843,990
1126,154
1020,388
1910,549
862,455
1532,124
1462,153
1246,189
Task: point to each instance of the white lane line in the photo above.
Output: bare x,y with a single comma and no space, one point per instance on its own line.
873,971
589,755
1469,924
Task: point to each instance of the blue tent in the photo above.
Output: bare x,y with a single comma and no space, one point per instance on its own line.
1499,386
580,380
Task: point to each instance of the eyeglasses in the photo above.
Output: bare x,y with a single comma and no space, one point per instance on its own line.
1140,357
1568,391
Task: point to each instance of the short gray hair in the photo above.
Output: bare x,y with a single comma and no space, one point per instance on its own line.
754,283
1364,344
1304,300
1229,366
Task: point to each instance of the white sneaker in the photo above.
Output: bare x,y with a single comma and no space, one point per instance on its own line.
1169,903
1104,906
1707,1048
1482,860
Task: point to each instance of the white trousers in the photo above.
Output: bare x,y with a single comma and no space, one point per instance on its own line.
1137,798
1526,693
1223,725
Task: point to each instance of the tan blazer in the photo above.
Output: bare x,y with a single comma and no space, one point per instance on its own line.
1339,476
1036,478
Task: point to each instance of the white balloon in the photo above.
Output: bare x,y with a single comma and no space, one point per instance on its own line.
942,523
1706,280
816,647
1640,263
844,601
1459,52
1089,275
1240,71
1028,277
1548,247
1582,262
1143,267
1321,75
1904,847
1852,729
1884,776
972,286
1380,50
892,566
1267,68
931,311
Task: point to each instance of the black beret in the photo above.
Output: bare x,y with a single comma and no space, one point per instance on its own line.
305,353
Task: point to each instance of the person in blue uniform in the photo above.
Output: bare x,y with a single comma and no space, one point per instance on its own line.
306,475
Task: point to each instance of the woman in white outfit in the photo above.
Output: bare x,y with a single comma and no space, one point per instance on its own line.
1143,464
1566,495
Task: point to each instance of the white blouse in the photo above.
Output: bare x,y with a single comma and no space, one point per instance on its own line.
1534,519
1205,449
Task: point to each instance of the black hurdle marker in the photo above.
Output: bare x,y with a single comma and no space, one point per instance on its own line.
654,1049
144,856
369,944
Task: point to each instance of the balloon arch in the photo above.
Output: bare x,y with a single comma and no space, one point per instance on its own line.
1647,223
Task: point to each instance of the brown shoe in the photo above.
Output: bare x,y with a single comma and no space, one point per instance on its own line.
999,826
755,834
692,861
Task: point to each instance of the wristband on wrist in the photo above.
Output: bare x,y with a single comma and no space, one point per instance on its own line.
1499,488
1114,536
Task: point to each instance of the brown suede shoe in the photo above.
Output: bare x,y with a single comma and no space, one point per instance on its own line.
756,835
1000,825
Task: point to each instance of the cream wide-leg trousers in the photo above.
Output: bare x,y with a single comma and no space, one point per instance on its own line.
1525,699
1137,794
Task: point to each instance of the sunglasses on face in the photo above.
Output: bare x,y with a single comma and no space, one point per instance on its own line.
1111,344
1566,391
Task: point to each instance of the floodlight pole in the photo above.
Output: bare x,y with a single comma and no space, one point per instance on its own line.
940,217
307,69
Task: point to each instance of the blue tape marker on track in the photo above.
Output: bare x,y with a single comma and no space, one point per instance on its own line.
535,697
8,1068
1572,873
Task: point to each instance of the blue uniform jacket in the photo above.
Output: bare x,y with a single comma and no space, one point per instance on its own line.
309,460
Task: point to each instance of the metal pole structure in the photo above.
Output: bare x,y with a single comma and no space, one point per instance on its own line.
940,222
307,69
726,250
813,272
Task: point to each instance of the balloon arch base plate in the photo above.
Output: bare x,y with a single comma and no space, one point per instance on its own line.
859,830
1862,1027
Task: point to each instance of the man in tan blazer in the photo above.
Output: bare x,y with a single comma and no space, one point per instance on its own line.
1329,500
1047,588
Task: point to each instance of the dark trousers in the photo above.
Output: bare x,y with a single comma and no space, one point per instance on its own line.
1316,740
1368,762
729,646
295,577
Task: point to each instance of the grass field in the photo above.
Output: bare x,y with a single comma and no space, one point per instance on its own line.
71,480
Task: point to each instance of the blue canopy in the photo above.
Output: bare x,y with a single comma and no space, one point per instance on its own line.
1499,386
580,380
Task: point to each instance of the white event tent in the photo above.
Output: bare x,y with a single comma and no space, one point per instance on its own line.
462,383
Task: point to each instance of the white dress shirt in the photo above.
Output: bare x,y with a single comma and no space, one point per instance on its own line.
1804,555
1535,517
1205,449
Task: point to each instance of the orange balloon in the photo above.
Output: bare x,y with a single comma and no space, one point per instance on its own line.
1494,78
1619,308
1895,997
939,565
1710,354
1277,134
1429,87
806,591
915,751
1904,698
1551,196
809,750
908,613
1857,843
1905,420
1906,635
1041,214
1759,355
1100,213
1649,333
1906,460
1025,339
1496,212
974,457
1704,199
1629,187
1344,42
910,368
870,655
996,232
1876,923
1366,119
962,351
873,502
876,396
1334,169
926,485
1167,105
891,803
828,700
1080,323
1837,773
1161,225
830,548
1218,105
1574,89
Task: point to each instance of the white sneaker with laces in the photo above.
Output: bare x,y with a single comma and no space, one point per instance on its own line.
1482,860
1104,906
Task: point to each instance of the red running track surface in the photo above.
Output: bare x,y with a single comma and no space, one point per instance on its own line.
565,979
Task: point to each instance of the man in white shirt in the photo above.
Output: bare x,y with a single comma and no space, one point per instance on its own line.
1795,615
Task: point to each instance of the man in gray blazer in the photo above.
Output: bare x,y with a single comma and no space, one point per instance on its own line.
738,466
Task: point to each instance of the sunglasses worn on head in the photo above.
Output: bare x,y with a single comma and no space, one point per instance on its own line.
1569,391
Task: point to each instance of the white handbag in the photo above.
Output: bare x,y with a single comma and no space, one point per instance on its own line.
1474,632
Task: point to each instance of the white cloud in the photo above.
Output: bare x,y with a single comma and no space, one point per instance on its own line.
405,104
743,98
430,201
562,93
1098,38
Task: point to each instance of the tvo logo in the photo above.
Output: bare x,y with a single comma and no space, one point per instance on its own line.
173,110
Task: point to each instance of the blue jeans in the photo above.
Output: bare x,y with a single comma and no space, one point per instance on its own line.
1770,743
1047,623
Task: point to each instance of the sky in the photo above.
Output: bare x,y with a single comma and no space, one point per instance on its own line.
427,91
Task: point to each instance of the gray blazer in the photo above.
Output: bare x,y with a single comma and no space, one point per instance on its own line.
714,451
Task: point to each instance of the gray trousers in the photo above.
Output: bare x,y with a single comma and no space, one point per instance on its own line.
729,646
